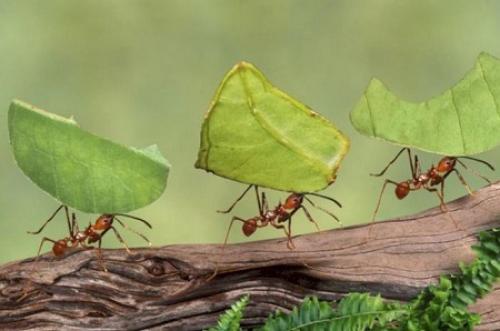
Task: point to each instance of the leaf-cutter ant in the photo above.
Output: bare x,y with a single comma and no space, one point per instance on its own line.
278,216
428,180
93,232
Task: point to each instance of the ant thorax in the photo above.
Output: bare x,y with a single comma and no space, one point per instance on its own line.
80,236
270,215
423,178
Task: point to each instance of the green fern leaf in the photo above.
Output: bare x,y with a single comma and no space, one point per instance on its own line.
441,307
230,320
444,307
355,312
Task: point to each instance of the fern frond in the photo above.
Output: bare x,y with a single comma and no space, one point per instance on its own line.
355,312
431,311
441,307
444,307
477,278
230,320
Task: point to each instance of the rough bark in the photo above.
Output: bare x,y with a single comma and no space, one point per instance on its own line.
170,288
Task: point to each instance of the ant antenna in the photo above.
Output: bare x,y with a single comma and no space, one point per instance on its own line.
323,210
477,160
473,172
135,218
324,197
134,231
51,218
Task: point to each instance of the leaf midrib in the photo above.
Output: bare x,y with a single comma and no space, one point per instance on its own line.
276,135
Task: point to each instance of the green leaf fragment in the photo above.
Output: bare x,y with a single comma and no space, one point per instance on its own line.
463,120
81,170
256,134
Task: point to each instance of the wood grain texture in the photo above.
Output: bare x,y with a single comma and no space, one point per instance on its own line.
169,288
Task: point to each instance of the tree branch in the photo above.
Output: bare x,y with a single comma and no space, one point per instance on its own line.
170,288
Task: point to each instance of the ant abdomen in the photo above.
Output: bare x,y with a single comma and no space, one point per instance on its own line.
402,190
59,247
249,227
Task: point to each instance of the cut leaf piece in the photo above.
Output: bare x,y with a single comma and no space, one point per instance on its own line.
81,170
256,134
464,120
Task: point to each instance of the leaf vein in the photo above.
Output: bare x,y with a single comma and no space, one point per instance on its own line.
497,106
274,134
459,120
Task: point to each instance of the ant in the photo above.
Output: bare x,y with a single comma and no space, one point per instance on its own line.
429,179
93,232
282,213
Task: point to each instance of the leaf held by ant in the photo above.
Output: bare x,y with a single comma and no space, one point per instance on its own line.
81,170
257,134
463,120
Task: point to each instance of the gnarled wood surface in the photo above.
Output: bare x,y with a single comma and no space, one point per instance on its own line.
168,288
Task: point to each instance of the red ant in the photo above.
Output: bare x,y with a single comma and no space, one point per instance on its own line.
280,214
436,175
92,233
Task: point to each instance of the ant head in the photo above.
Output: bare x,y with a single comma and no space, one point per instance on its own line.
103,222
402,190
446,164
293,201
249,227
59,247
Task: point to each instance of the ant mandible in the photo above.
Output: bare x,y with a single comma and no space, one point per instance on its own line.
428,180
93,232
282,213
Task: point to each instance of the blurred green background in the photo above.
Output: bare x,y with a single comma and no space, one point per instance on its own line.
144,72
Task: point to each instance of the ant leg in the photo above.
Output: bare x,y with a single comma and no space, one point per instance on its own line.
265,206
289,244
235,218
442,188
474,172
50,219
387,181
74,229
236,202
99,253
442,204
84,245
323,210
462,180
120,239
259,203
70,223
134,231
415,170
288,233
309,217
41,244
394,160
